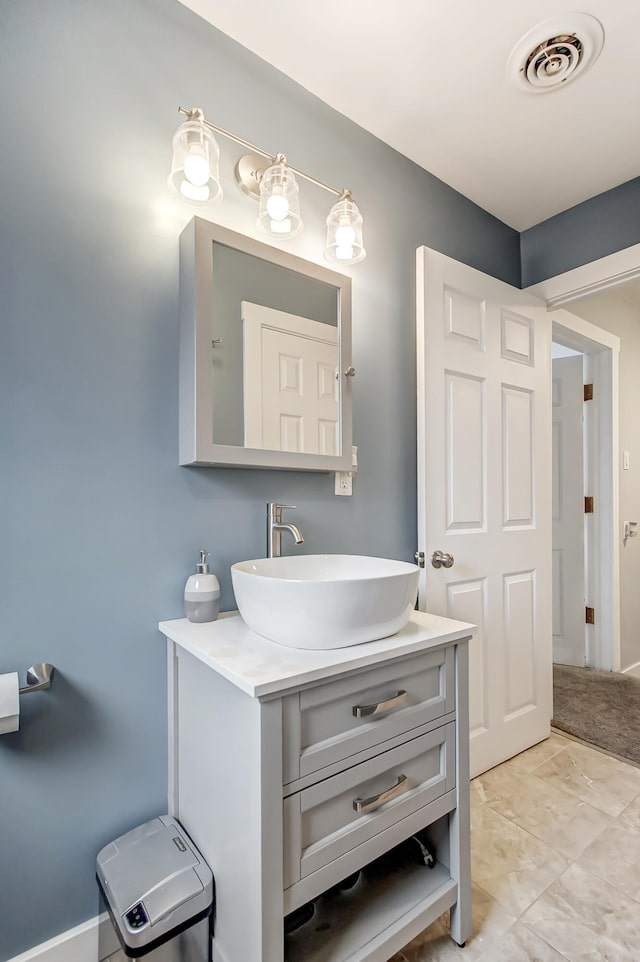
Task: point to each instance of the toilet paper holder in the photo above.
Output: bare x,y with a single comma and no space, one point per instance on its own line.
38,678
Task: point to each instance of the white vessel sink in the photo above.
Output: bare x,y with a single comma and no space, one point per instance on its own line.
325,601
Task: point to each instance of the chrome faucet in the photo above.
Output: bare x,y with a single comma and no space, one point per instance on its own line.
275,527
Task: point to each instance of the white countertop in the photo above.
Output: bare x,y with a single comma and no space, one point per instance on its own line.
260,667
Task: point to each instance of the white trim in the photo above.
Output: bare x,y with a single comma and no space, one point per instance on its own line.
581,335
593,278
602,359
91,941
601,275
631,668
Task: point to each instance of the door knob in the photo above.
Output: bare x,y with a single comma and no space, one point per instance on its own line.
441,559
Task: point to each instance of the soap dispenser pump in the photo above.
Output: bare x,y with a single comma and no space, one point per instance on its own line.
202,593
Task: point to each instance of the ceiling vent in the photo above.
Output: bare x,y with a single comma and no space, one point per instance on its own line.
556,51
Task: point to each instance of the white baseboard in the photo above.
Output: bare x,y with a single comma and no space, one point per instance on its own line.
91,941
631,667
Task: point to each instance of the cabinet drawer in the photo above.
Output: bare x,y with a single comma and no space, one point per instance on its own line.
321,822
330,722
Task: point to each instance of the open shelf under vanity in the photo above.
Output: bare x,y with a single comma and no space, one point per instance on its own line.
381,913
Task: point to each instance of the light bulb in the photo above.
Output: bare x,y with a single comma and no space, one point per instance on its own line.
277,207
280,226
344,253
196,169
193,192
345,236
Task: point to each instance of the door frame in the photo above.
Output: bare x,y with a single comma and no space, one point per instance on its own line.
602,351
571,526
602,541
593,278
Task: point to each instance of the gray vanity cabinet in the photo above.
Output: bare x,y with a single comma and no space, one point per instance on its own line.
293,770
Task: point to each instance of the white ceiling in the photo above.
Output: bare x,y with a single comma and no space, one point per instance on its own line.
430,78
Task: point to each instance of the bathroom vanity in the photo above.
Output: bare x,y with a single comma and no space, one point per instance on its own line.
294,769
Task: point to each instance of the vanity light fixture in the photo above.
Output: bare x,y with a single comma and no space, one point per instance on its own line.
195,179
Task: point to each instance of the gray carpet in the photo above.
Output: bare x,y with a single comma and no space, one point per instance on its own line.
600,707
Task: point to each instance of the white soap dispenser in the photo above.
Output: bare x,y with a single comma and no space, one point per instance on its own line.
202,593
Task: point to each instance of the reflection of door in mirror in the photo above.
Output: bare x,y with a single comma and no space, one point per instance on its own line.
290,382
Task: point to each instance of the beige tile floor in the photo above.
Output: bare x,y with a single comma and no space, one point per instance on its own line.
555,862
555,853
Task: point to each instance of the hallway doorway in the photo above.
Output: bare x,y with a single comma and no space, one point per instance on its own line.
593,582
570,521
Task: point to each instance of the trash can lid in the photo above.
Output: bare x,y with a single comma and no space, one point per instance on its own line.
155,882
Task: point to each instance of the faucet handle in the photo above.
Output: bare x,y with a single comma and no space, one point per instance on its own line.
274,511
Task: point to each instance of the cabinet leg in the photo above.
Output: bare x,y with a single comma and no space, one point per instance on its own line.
460,922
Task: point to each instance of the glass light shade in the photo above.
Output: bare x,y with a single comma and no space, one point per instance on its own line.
194,176
344,233
279,203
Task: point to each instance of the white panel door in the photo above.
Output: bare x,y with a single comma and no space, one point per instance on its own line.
567,407
290,382
484,492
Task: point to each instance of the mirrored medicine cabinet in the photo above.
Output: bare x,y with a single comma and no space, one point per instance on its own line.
265,355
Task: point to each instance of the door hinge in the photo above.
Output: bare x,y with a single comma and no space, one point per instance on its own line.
588,504
588,392
590,616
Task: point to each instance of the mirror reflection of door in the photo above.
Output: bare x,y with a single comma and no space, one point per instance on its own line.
290,382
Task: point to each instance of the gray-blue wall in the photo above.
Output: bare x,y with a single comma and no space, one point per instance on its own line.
584,233
99,526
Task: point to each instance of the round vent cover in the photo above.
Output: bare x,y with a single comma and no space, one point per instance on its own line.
556,51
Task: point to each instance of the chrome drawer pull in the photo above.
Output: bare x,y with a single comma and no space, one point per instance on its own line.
360,711
362,805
